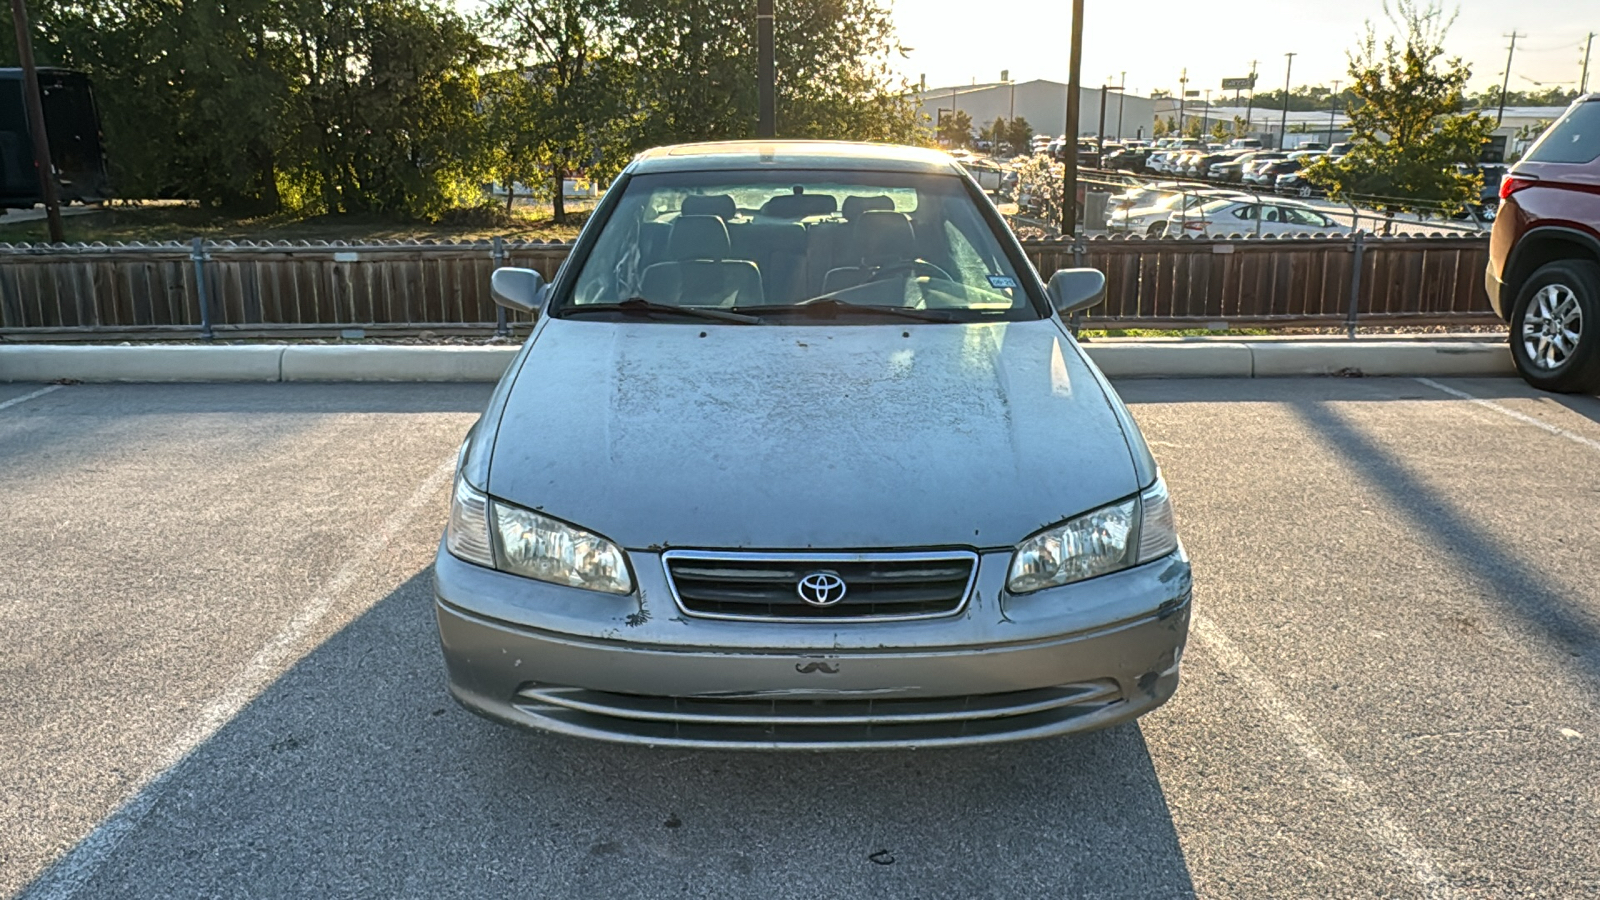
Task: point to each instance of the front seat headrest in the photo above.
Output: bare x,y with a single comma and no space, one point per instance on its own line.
854,206
719,205
884,235
698,237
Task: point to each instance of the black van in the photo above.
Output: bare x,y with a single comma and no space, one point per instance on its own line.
73,123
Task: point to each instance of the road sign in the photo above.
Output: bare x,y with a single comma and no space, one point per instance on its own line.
1191,93
1239,84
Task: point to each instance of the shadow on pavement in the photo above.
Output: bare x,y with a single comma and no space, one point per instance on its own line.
355,775
1515,582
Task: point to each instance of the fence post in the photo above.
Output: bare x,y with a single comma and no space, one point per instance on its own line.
1076,324
502,328
197,253
1358,251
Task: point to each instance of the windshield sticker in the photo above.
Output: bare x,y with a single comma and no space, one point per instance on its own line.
1000,282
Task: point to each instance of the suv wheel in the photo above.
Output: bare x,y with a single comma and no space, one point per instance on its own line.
1555,327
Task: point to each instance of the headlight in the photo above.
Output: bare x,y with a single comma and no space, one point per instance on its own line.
532,545
1133,531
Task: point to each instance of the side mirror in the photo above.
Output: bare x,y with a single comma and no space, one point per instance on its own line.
518,289
1071,290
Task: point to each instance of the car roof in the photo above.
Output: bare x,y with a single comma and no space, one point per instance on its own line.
726,155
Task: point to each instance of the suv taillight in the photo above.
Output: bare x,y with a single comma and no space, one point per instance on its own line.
1510,184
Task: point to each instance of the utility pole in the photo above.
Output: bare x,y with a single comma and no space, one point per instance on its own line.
1122,91
1205,117
1583,80
33,99
1183,95
767,121
1250,105
1333,105
1506,85
1069,181
1283,125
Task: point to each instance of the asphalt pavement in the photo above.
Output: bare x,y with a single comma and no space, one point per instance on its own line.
221,677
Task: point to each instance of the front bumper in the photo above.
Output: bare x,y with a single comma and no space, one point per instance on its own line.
636,669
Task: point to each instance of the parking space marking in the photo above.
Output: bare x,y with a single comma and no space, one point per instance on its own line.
1507,411
26,397
73,871
1382,825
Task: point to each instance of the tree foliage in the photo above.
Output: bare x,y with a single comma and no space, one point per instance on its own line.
405,108
1408,126
955,129
1019,134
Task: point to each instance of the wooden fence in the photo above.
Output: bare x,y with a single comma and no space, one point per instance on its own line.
247,289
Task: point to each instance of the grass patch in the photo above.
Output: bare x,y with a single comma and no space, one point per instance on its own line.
177,222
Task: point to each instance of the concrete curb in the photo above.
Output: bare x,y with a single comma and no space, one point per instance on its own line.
46,362
1170,358
322,362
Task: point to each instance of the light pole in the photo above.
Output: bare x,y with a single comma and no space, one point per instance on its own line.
767,116
1183,95
1283,126
1122,91
33,99
1333,105
1250,104
1069,180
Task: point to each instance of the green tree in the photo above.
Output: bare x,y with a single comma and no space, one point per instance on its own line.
1019,134
1164,127
995,131
567,105
695,61
955,128
1408,128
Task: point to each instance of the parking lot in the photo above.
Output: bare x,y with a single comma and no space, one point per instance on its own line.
221,675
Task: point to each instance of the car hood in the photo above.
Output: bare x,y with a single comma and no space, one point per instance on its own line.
799,437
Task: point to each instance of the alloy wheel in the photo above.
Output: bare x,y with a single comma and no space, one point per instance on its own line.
1552,326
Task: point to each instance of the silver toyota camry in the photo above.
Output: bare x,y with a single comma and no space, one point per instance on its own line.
800,454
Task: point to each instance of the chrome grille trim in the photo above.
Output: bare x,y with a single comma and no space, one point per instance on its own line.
785,565
838,709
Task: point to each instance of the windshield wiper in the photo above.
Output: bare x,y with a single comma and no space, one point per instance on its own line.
833,306
639,305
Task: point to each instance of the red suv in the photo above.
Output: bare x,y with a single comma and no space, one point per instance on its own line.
1544,255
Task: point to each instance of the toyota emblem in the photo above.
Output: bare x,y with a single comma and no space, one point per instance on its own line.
821,588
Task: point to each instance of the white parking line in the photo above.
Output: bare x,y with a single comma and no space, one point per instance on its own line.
1382,825
26,397
1507,411
73,871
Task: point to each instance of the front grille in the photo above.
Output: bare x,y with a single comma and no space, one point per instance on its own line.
765,585
840,722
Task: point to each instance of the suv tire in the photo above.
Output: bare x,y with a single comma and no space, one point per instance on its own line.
1555,327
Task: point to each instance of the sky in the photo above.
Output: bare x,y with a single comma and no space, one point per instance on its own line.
1155,40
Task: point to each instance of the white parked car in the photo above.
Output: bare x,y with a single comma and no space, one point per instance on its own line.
1220,217
1152,217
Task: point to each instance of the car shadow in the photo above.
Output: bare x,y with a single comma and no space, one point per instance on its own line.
354,775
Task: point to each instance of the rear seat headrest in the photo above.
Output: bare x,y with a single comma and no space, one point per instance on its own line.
719,205
885,235
855,206
698,237
799,206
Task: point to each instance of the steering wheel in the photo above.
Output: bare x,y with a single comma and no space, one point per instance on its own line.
914,266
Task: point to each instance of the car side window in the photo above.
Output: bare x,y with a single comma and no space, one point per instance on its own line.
1247,213
1301,217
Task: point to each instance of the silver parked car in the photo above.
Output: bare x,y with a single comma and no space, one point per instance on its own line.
800,454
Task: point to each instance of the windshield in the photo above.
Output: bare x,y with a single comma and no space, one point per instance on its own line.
774,242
